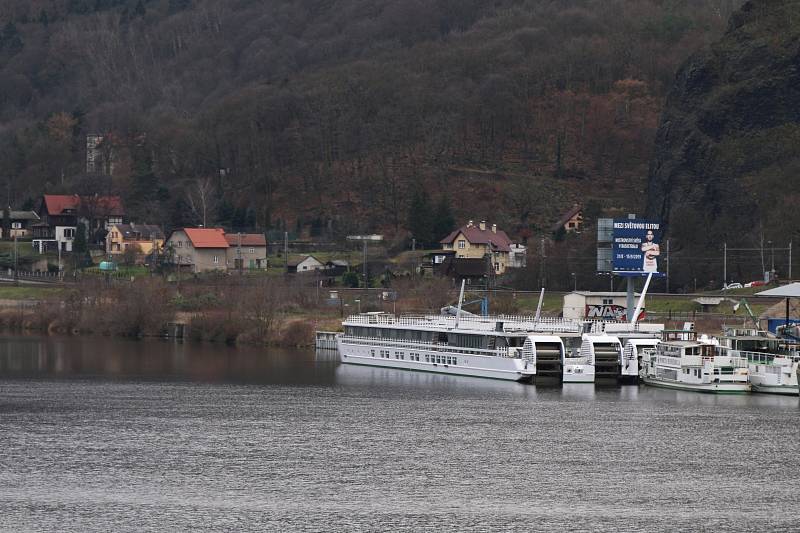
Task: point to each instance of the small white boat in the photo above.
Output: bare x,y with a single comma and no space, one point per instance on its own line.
681,361
773,362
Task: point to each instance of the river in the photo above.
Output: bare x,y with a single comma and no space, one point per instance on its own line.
103,434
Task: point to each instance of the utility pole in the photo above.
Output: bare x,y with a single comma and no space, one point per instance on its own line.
16,260
772,254
366,283
544,264
239,252
724,265
790,260
286,250
668,261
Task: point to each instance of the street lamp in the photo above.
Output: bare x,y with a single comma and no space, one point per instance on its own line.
574,282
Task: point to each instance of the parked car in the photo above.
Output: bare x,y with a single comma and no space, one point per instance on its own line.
730,286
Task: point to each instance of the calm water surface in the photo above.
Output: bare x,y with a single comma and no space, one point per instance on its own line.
109,435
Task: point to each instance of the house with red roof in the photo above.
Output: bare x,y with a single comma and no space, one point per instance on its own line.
246,251
198,249
60,215
478,242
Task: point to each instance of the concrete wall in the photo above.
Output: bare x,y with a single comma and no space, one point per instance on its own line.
253,257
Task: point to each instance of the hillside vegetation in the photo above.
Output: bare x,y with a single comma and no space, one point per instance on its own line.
727,163
326,114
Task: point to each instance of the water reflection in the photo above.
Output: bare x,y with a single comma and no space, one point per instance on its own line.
93,357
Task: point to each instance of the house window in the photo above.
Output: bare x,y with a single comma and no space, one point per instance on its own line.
16,225
252,250
69,233
216,259
497,267
180,244
462,244
608,301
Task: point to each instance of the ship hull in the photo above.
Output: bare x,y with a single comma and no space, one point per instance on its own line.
709,388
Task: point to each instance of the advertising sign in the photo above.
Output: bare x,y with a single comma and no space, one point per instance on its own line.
636,247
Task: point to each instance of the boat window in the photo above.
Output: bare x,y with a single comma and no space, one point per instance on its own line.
455,361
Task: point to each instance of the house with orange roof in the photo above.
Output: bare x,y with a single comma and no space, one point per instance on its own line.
198,249
246,251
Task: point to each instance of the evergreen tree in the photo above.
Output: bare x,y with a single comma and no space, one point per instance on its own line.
443,220
80,245
420,218
7,223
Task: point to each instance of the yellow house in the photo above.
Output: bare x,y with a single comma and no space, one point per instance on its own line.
122,237
478,242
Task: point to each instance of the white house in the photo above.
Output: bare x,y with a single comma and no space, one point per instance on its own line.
308,263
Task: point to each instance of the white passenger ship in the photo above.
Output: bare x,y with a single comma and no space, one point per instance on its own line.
500,347
773,362
680,361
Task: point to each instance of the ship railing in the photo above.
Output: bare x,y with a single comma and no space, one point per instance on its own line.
489,323
381,342
763,358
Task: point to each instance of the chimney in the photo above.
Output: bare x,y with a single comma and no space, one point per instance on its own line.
469,224
483,225
494,228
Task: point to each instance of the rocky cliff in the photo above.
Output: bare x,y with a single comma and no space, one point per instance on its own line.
727,155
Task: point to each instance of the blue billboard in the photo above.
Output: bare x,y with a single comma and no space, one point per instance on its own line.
636,247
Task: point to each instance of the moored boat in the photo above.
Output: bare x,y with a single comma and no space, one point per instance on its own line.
499,347
773,361
681,361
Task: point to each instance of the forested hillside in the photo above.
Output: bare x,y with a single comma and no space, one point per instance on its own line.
332,113
726,164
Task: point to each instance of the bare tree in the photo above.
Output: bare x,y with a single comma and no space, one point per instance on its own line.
202,199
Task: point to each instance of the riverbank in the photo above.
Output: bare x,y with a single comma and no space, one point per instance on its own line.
266,310
261,312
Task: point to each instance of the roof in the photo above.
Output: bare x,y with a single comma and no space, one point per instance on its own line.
105,205
601,294
566,217
475,235
295,262
247,239
792,290
709,300
20,215
338,262
206,237
145,232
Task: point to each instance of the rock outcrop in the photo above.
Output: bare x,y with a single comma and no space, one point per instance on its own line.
727,155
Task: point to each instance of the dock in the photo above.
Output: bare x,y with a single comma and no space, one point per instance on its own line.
326,340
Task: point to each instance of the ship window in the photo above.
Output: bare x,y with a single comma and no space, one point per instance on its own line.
455,361
372,353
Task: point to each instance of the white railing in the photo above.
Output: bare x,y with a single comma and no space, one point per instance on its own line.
479,323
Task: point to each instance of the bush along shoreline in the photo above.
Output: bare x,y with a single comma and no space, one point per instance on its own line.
262,312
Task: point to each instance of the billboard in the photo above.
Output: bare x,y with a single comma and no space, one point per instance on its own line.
636,247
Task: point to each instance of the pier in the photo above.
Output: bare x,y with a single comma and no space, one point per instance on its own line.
326,340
